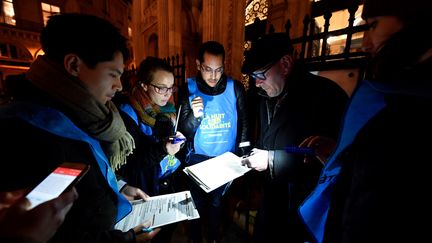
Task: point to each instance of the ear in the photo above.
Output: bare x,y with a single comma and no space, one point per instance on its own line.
72,64
144,86
287,62
198,63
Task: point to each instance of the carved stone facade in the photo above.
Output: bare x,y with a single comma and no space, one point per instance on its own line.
181,26
160,28
19,42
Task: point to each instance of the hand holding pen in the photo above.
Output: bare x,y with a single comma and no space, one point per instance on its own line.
257,159
174,143
144,233
178,136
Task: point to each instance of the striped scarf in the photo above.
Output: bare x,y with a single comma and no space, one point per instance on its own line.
147,110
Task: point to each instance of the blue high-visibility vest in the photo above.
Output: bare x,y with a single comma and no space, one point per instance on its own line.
218,130
55,122
366,102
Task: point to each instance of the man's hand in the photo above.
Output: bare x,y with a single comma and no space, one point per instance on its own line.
257,159
38,224
144,237
197,106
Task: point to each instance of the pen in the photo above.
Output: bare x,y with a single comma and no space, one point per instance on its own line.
248,154
146,230
177,120
298,150
174,139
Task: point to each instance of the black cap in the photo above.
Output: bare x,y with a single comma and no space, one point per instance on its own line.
399,8
265,50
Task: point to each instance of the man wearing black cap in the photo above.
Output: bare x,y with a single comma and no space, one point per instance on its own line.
294,104
375,186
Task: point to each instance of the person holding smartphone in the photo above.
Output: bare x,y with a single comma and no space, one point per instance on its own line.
62,111
19,224
150,116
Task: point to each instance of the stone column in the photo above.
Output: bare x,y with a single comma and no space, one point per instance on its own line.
163,28
210,20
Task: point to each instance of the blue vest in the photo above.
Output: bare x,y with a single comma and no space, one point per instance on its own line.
55,122
169,163
218,130
366,102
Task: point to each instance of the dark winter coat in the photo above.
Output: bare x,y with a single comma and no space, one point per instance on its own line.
310,105
382,194
29,154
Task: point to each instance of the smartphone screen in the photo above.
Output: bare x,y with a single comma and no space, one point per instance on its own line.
58,181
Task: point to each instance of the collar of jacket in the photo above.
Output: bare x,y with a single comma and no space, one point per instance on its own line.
218,89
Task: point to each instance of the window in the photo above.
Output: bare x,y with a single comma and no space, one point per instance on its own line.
7,13
339,20
12,51
49,10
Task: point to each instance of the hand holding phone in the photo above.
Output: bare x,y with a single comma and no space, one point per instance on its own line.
61,179
175,140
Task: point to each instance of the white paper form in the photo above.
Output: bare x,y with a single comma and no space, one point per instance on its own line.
215,172
160,210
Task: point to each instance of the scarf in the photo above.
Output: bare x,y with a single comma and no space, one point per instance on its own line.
101,121
147,110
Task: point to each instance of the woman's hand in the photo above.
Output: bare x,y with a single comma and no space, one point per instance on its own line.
173,148
132,193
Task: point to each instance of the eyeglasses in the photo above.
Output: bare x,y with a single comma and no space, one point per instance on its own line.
206,69
164,90
261,75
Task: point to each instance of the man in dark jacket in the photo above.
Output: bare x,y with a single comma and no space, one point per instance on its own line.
375,186
295,104
214,119
62,112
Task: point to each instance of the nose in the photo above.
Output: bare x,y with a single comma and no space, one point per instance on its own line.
258,82
118,85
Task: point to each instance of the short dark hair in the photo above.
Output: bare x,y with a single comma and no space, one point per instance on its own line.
211,47
92,38
149,66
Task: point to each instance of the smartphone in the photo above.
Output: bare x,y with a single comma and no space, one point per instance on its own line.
61,179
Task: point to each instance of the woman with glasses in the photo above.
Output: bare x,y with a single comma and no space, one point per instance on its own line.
214,120
149,115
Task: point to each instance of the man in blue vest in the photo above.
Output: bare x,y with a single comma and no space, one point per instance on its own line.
375,185
62,112
293,104
213,117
